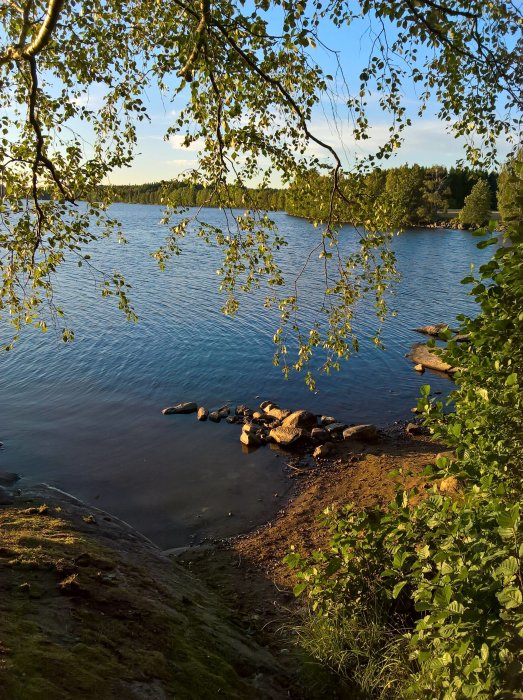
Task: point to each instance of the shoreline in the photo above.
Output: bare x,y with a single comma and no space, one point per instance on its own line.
241,580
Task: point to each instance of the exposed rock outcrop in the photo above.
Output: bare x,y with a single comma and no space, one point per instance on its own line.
100,612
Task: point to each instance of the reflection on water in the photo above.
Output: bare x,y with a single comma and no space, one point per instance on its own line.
86,417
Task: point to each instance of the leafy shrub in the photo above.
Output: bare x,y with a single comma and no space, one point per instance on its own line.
476,209
445,571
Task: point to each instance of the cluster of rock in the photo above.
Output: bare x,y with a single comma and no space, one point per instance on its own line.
270,423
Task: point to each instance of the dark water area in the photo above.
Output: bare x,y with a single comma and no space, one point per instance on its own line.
86,418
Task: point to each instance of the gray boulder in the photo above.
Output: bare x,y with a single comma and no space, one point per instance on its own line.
8,478
250,439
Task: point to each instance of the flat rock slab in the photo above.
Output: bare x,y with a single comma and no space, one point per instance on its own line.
102,613
422,355
187,407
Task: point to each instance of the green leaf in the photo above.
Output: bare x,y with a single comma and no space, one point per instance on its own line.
299,588
398,588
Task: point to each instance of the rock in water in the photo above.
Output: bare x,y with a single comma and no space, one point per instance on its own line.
419,368
300,419
286,436
422,355
215,417
250,439
276,412
434,329
363,433
327,420
187,407
202,414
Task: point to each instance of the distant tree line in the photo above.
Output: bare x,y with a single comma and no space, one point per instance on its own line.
413,195
184,194
410,195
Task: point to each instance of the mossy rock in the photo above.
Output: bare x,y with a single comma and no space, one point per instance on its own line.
92,609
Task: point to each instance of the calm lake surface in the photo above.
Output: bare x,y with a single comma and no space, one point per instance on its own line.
86,418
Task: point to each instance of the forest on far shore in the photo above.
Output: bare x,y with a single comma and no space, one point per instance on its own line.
418,194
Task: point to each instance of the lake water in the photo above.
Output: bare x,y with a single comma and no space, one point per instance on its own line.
86,416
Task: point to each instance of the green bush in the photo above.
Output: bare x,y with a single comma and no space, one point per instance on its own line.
446,573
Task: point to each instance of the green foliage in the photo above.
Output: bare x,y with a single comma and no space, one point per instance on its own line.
248,81
476,210
376,656
183,194
446,570
509,208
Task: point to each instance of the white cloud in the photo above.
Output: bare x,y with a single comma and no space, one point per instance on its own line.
176,142
426,142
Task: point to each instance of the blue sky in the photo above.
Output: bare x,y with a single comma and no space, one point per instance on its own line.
427,141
